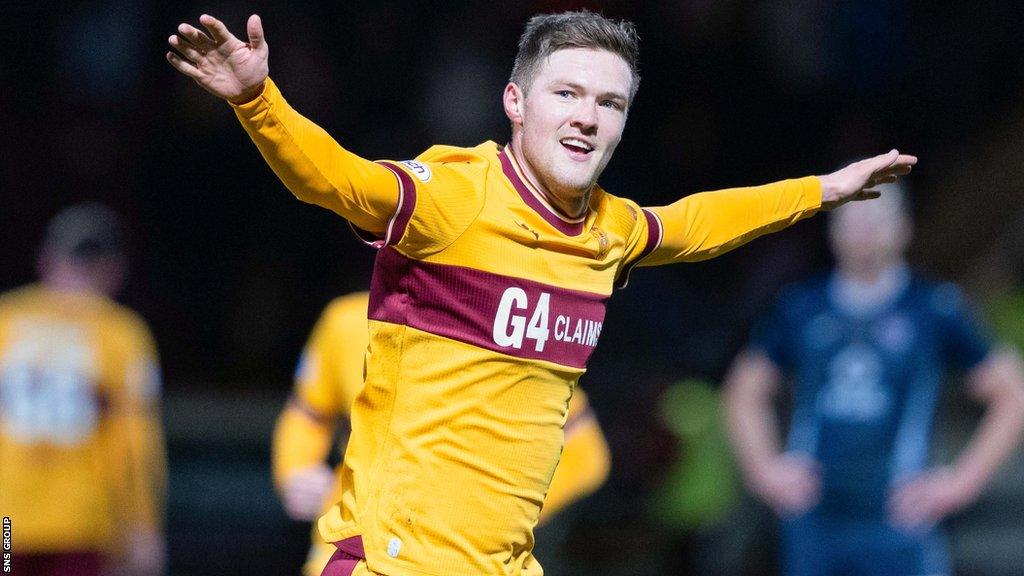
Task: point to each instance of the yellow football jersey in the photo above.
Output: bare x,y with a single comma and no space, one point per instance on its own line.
330,375
80,440
485,305
327,380
330,372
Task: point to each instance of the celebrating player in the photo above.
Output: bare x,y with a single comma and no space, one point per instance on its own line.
83,470
867,349
489,289
327,382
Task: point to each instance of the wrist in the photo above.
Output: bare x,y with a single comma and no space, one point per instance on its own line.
967,483
759,471
830,193
249,94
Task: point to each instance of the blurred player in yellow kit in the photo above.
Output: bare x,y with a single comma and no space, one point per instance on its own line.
327,381
494,267
83,467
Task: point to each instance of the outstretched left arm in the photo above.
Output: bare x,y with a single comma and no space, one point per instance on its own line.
705,225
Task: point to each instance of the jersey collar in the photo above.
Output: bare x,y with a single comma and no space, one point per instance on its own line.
535,200
859,299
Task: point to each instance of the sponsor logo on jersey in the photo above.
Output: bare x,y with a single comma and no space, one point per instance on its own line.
420,170
513,316
511,327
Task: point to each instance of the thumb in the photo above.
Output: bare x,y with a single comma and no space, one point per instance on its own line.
254,27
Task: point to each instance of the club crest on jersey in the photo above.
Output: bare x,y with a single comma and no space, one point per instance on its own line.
420,170
602,241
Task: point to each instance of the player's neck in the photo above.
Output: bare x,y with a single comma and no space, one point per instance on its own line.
571,204
869,291
872,273
574,206
72,284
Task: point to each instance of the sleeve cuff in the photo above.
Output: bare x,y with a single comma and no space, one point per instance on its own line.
811,186
265,99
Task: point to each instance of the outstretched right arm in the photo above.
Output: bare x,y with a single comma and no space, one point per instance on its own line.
309,162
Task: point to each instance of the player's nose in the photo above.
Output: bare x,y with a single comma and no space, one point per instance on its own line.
584,117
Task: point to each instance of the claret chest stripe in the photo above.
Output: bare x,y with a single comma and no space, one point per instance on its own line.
513,316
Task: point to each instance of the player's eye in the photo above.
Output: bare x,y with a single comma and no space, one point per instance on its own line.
564,93
611,104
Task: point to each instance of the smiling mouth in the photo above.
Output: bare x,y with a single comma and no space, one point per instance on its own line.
577,149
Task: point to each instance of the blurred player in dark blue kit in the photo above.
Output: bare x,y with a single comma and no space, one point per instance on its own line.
867,349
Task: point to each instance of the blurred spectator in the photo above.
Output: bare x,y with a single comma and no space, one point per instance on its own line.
867,348
701,488
83,466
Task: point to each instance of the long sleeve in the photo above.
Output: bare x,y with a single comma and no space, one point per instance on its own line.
149,469
301,439
708,224
138,412
328,378
314,167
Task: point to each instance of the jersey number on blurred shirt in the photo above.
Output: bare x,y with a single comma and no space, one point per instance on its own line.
45,391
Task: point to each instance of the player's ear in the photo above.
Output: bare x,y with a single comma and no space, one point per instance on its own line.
512,98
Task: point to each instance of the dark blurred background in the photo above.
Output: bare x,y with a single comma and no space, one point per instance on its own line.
231,271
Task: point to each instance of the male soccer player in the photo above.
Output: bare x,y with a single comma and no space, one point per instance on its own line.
489,288
83,467
866,349
327,382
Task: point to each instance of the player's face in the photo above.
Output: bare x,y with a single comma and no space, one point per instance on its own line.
104,275
869,234
573,116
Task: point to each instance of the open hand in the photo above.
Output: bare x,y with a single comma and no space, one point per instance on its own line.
222,64
924,501
306,490
145,554
856,181
789,483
